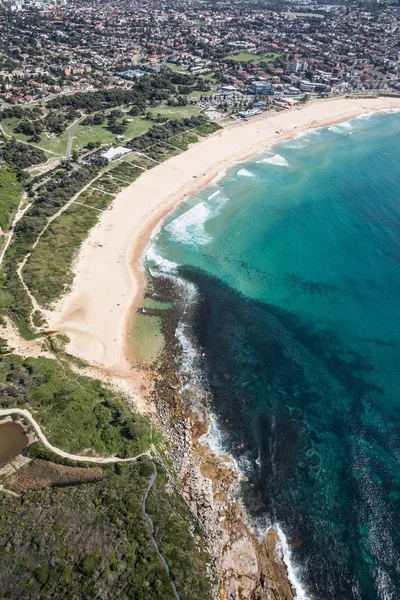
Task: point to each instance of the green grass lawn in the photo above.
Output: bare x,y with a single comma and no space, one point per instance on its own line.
99,133
175,112
197,93
209,77
247,57
175,68
56,145
83,135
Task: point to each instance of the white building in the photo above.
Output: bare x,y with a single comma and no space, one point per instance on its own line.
114,153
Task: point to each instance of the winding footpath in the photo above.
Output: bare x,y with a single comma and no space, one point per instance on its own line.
5,412
153,536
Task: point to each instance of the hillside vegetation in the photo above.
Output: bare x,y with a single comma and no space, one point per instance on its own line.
93,542
10,192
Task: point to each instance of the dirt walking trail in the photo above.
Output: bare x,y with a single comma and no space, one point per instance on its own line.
5,412
153,536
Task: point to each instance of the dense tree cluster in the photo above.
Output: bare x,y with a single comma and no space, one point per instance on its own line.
33,121
20,156
158,133
17,112
150,89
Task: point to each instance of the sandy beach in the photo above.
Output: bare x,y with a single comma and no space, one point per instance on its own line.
108,280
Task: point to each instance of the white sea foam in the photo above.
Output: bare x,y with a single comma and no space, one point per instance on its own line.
245,173
277,159
214,195
339,127
385,586
303,138
220,176
383,111
189,228
293,574
163,264
345,125
389,111
190,354
213,439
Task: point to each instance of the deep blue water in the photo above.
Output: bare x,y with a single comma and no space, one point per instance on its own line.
295,256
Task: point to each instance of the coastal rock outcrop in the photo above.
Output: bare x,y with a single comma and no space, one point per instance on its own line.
248,566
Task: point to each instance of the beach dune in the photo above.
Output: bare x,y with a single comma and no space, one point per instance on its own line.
108,280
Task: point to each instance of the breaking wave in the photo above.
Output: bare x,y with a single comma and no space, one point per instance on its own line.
162,264
189,228
339,127
214,195
245,173
277,159
293,572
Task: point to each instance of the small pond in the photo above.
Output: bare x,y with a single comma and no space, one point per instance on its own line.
12,441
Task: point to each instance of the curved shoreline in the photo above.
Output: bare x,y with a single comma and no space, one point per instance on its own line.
109,280
99,331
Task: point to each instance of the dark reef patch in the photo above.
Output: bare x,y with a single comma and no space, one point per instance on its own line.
291,401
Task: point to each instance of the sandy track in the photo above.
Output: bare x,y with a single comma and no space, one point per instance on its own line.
92,459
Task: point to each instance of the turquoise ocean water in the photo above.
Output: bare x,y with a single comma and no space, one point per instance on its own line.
291,266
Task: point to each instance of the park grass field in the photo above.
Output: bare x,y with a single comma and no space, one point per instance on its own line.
174,67
54,145
197,93
175,112
247,57
100,134
57,145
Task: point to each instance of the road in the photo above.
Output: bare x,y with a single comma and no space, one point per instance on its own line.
71,134
153,535
81,458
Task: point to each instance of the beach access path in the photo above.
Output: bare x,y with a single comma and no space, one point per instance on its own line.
109,279
92,459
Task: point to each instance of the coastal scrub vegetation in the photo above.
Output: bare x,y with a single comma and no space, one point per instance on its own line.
48,271
52,196
10,193
92,541
164,131
179,539
76,412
